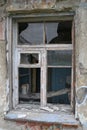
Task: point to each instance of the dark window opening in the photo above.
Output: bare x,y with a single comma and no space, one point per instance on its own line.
59,33
29,85
44,33
59,63
47,66
59,79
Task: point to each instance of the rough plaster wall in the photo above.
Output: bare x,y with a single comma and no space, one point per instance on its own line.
2,69
58,5
2,76
81,63
66,5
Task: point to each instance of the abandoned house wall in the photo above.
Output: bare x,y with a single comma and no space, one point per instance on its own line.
80,10
81,63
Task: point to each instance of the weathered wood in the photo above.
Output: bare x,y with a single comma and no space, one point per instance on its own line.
49,94
28,66
43,90
34,80
16,61
61,46
9,61
57,93
42,52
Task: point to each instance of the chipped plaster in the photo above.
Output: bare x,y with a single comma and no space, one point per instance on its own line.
81,63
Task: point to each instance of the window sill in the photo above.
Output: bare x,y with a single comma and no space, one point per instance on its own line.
62,116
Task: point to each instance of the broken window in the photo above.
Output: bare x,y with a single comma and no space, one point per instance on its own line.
44,33
29,58
43,72
29,85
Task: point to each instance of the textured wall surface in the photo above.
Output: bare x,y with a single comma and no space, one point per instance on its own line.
58,5
81,60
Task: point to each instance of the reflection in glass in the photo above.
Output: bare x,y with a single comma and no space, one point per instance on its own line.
48,32
59,58
51,31
30,33
59,33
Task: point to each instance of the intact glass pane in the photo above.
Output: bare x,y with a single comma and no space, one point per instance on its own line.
30,33
59,58
58,82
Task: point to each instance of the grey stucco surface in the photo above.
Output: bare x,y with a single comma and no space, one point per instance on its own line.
80,10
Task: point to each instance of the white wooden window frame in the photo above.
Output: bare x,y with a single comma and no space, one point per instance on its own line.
17,49
14,62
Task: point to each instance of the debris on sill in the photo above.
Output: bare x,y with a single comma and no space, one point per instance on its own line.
47,109
51,108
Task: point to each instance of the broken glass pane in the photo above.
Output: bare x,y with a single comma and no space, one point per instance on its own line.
27,58
30,33
58,32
